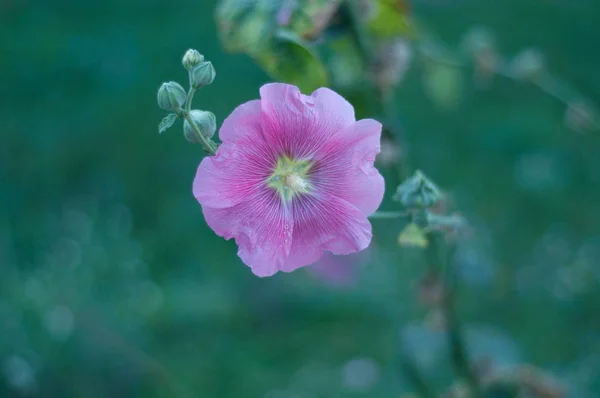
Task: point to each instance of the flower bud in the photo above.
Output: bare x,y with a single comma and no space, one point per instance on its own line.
418,192
206,122
478,39
191,59
171,96
202,75
528,64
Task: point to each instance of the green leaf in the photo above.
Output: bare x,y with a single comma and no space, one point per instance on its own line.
310,19
345,62
245,26
290,60
167,122
388,18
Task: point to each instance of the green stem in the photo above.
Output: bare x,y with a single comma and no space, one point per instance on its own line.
414,376
190,97
389,214
437,259
378,104
207,144
452,221
546,83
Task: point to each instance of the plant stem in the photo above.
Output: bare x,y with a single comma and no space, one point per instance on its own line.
437,259
379,104
414,376
190,97
548,84
389,214
207,144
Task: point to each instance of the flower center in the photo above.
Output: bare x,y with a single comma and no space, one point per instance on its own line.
290,177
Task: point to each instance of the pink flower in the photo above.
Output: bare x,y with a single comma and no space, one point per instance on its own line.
294,177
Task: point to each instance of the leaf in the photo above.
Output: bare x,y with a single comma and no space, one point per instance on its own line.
245,26
345,63
290,60
413,236
167,122
388,18
312,17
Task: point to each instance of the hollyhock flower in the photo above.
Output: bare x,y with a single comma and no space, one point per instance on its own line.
294,177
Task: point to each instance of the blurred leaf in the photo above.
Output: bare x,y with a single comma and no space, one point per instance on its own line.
291,61
388,18
312,17
413,236
245,25
443,84
167,122
345,63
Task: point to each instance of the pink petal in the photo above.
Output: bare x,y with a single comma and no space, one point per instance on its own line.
244,121
345,166
325,223
242,163
299,124
334,112
262,228
235,173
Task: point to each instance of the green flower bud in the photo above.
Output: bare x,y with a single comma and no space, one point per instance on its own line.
171,96
206,122
528,64
418,192
202,75
191,59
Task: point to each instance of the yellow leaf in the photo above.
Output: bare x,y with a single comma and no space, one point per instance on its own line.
413,236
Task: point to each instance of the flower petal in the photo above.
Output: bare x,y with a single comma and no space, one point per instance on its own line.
236,172
334,112
244,121
300,124
325,223
262,228
345,166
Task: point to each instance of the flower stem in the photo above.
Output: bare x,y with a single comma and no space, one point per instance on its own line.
437,258
379,103
548,84
389,214
206,143
190,97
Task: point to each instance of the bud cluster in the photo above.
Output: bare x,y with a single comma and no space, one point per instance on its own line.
199,126
418,192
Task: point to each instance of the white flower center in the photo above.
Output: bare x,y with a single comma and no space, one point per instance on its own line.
295,182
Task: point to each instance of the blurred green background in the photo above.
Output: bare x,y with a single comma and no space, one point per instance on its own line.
112,285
